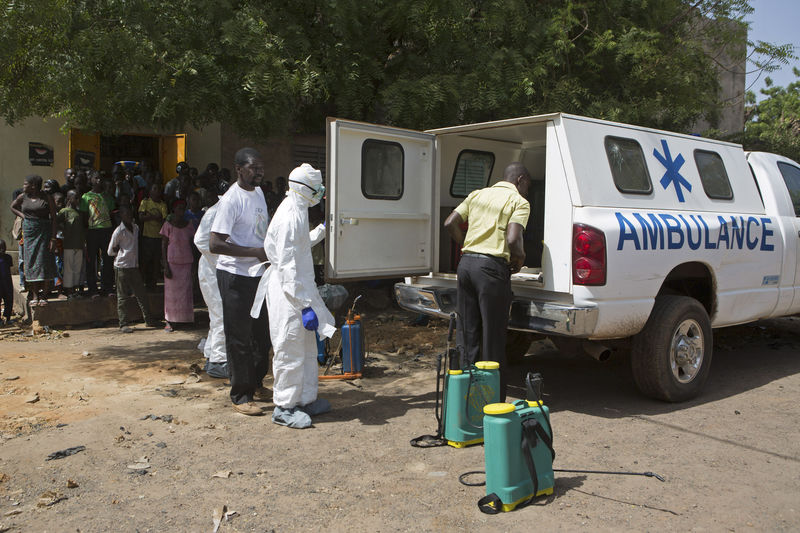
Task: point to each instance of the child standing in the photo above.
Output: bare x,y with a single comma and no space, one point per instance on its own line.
58,251
194,212
124,247
6,285
176,252
73,230
152,212
97,207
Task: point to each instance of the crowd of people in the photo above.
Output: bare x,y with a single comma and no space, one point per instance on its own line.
64,231
246,246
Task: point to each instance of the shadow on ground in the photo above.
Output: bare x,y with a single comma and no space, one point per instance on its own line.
156,350
745,358
373,409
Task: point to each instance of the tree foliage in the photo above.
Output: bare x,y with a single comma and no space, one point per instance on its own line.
773,124
269,67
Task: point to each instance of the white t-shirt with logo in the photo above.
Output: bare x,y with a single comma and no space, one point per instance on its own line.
242,215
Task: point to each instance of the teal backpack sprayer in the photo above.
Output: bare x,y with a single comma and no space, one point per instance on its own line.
463,394
517,437
518,451
519,454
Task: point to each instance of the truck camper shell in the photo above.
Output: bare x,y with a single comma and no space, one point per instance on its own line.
621,216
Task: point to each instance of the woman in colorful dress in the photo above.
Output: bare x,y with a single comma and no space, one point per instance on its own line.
177,237
38,213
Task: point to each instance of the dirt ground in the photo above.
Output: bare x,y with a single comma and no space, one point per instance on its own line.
731,459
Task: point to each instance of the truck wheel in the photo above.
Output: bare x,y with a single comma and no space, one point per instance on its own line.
517,345
671,356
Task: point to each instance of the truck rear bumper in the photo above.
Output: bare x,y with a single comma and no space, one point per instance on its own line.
526,315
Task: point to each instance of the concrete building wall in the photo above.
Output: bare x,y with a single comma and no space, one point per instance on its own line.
202,147
15,165
731,64
280,155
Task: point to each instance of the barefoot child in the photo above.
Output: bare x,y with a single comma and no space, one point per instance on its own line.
70,222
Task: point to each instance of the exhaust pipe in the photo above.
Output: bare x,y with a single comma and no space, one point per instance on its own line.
597,350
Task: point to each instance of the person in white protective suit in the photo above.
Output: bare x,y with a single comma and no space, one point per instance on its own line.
295,307
214,349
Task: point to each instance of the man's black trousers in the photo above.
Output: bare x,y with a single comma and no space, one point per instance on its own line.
484,301
246,339
97,241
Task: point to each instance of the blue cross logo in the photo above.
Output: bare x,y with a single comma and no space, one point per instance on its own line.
672,175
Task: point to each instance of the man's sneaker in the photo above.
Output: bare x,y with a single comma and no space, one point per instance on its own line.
249,409
317,407
126,329
293,417
217,370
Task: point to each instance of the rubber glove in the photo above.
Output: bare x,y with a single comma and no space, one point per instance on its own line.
310,321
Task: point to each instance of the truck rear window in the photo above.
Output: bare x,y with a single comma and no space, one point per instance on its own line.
382,169
628,168
712,175
791,176
472,172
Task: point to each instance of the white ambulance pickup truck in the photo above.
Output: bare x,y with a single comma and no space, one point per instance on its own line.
634,233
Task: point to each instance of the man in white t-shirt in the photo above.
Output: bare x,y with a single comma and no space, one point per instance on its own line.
237,235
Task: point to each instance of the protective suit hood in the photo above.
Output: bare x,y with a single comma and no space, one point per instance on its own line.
306,182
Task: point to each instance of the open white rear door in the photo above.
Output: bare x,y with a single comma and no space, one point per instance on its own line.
380,201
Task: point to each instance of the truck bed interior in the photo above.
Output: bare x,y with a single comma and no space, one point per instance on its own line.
472,157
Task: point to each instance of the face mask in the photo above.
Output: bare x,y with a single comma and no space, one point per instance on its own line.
317,193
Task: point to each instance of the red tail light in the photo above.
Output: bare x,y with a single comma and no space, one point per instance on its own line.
588,255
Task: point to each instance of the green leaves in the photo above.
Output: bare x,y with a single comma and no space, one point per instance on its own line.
277,67
773,124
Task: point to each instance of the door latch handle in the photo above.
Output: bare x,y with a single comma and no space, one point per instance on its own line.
351,221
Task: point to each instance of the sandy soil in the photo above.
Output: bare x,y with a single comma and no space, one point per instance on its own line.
731,459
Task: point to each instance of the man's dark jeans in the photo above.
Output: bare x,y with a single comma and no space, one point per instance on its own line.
246,339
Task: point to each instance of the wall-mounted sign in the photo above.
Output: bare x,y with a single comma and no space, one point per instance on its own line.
40,155
83,159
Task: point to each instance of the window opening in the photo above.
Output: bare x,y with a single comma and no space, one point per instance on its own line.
311,154
791,176
628,167
472,172
382,165
713,175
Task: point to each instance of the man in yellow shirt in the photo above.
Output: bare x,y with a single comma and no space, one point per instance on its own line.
492,250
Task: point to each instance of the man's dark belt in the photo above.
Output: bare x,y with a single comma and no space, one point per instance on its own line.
485,256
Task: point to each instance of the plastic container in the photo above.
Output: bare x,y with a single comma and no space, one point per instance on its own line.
352,347
507,475
465,395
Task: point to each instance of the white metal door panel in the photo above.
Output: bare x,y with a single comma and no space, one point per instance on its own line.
778,204
378,237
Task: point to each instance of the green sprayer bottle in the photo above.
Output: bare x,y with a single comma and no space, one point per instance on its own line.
466,392
518,452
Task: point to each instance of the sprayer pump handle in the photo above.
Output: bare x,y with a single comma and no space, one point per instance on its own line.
533,386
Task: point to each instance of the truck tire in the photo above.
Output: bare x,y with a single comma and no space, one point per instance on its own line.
671,356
